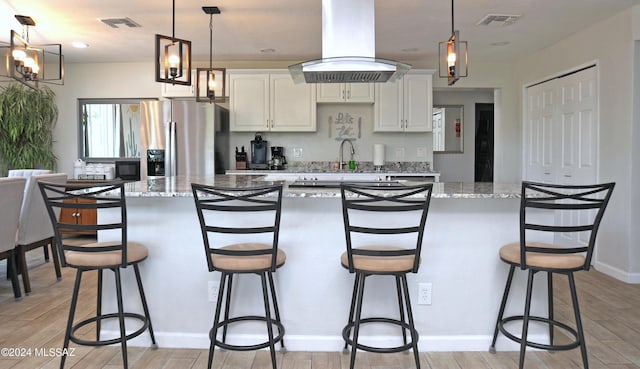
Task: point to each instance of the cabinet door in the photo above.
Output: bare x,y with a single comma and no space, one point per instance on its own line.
169,90
249,102
418,102
360,92
388,107
330,92
293,106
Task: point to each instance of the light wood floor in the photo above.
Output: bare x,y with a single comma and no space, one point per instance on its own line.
610,312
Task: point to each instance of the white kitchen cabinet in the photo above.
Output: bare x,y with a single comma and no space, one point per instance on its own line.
270,101
345,92
404,105
169,90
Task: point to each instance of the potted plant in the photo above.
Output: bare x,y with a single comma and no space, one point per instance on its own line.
27,119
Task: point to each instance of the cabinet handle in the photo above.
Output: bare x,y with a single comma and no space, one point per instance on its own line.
349,95
343,95
568,175
546,173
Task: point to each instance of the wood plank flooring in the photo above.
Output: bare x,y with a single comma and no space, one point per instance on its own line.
610,313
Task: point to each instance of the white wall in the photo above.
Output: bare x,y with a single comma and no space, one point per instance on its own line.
610,44
459,167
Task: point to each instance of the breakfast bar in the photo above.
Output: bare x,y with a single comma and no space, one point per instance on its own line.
466,225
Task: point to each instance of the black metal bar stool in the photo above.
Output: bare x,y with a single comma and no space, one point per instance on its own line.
386,256
99,256
248,246
577,212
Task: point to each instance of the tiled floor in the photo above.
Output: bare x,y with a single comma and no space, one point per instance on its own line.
35,326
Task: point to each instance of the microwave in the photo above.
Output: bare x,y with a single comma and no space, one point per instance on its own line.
128,170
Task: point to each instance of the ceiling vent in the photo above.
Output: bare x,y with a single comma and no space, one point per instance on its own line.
498,20
114,22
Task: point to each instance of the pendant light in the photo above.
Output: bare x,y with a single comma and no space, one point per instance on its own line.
173,57
453,55
210,82
26,61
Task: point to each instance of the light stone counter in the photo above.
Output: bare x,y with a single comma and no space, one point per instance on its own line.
181,187
466,226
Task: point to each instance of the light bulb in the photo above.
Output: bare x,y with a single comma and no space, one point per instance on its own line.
19,55
30,63
451,59
211,85
174,61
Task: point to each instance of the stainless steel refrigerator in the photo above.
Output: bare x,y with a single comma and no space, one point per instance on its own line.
178,138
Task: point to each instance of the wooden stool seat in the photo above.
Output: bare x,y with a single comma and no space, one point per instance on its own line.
244,263
136,253
379,264
510,253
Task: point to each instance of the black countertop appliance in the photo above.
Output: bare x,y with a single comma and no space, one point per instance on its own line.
258,153
278,159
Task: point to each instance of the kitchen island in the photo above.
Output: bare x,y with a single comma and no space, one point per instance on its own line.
467,224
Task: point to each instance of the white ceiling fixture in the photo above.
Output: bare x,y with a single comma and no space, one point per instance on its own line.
348,48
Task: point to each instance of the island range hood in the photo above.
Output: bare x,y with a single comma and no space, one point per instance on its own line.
348,48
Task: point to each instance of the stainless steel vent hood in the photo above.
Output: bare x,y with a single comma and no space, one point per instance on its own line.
348,48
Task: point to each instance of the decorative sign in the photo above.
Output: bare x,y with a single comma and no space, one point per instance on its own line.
345,126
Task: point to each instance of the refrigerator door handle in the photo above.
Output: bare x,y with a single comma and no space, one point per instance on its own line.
171,149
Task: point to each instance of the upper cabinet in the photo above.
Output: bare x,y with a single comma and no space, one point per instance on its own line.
345,92
169,90
404,105
270,101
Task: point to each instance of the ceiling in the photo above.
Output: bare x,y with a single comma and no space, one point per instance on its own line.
406,30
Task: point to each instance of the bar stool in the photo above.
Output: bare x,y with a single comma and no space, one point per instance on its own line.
240,229
384,214
577,213
98,256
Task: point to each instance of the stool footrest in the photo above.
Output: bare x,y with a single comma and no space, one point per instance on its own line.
346,335
102,318
542,346
257,346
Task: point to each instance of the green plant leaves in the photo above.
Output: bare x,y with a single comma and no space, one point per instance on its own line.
27,119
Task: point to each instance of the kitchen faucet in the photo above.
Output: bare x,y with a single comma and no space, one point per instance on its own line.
353,151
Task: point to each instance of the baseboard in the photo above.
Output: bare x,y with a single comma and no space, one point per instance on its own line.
333,343
617,273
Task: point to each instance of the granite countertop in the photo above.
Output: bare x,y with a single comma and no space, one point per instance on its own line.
181,187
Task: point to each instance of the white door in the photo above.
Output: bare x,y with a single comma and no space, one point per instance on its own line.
560,137
560,130
438,131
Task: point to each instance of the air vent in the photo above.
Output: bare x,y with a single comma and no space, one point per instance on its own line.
347,76
498,20
114,22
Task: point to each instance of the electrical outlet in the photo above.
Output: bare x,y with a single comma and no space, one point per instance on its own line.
213,287
421,152
424,293
399,153
297,152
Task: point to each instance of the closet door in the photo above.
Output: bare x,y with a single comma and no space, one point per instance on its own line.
561,137
560,130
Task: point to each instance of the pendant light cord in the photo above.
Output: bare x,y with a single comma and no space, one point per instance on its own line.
452,23
211,41
173,21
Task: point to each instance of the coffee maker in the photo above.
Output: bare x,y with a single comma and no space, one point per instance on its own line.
258,153
278,160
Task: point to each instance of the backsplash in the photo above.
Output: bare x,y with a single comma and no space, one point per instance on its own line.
335,123
362,166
